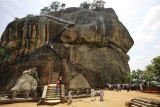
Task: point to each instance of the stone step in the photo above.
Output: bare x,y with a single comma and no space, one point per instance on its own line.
143,100
140,102
134,106
52,98
53,89
137,104
52,101
52,85
53,93
54,80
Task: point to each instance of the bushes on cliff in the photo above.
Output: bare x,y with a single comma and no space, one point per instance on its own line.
54,6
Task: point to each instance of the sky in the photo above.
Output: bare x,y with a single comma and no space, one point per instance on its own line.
140,17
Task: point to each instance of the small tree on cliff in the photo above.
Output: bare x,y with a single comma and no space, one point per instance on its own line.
85,5
63,5
45,10
98,4
55,6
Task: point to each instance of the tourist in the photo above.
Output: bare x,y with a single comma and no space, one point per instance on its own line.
109,86
127,87
92,95
132,87
73,62
118,87
70,96
60,78
141,88
57,86
123,86
101,95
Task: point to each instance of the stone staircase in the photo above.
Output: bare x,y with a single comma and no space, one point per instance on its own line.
49,95
143,102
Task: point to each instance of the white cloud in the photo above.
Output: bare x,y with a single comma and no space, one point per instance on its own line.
151,19
148,30
145,37
157,46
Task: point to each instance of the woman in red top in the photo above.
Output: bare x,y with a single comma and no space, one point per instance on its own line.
57,86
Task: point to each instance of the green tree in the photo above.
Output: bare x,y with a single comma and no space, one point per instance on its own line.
156,67
128,79
138,76
45,10
55,6
16,18
63,5
98,4
85,5
148,77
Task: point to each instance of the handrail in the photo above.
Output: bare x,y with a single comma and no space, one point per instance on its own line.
58,19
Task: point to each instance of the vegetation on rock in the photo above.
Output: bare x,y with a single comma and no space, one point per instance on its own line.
54,6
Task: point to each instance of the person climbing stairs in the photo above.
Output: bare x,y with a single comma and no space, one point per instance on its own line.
49,96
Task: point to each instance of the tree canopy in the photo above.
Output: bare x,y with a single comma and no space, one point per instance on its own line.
148,76
54,6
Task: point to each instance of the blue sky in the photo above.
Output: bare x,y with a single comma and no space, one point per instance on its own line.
141,18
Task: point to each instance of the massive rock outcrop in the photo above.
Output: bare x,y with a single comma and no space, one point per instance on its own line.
95,47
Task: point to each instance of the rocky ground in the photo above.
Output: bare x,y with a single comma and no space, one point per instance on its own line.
111,99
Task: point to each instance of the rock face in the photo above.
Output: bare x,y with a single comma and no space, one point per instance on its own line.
97,44
79,82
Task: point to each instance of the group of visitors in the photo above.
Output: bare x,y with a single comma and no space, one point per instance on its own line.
93,98
125,86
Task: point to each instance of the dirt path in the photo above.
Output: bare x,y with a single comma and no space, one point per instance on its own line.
111,99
